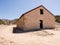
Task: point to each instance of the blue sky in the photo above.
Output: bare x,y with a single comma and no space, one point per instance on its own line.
11,9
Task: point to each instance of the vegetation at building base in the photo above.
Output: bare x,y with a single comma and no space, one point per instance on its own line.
57,18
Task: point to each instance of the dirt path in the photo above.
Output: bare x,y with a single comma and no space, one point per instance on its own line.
46,37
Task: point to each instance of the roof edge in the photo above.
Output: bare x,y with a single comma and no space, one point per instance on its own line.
34,9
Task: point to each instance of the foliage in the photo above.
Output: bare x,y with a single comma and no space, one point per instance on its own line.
57,19
1,22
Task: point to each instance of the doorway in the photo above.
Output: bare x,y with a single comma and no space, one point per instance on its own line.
41,24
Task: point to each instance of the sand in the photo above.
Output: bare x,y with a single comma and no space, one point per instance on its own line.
42,37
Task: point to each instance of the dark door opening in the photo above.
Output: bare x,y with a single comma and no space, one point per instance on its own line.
41,24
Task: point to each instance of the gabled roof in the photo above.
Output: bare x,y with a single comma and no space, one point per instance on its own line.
34,9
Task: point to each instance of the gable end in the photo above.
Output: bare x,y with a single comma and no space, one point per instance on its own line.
34,9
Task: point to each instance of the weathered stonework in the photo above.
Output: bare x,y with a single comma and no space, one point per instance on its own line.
31,19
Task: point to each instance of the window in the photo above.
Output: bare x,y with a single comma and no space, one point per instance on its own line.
41,11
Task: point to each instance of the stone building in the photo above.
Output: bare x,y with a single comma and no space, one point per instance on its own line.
37,18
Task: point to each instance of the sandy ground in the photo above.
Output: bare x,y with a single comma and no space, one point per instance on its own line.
44,37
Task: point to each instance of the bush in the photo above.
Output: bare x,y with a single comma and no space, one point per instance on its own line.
58,19
1,22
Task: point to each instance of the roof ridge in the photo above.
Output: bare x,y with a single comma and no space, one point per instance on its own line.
34,9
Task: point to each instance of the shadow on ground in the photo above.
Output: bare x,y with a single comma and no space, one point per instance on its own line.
18,30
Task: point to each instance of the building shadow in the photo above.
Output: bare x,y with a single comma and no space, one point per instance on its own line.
18,30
